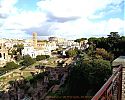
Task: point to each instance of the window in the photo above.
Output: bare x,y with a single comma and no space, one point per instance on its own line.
4,55
0,55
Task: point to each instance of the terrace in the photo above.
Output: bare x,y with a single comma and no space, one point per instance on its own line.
114,88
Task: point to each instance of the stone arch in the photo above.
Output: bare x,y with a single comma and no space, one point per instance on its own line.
0,55
4,55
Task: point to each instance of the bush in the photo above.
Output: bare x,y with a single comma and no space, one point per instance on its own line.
71,52
42,57
27,61
88,75
47,56
18,57
11,65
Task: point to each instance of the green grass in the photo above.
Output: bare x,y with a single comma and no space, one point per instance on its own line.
2,78
29,78
28,75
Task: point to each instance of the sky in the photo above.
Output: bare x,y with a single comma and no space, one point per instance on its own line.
69,19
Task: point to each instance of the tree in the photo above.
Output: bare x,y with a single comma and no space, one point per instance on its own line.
92,40
11,65
113,43
19,48
42,57
71,52
27,60
87,76
18,57
102,53
114,35
47,56
12,53
81,39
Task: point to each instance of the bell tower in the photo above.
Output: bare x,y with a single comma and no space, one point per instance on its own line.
35,40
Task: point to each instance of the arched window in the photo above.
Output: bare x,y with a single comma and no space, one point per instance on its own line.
0,55
4,55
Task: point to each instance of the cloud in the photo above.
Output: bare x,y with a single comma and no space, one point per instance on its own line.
16,34
43,30
67,8
65,18
52,18
25,20
117,25
87,28
73,17
7,8
3,16
79,8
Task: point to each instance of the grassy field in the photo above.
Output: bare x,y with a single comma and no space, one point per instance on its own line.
52,62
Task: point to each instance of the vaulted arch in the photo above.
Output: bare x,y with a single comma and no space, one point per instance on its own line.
0,55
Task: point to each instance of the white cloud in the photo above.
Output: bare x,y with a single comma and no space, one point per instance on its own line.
80,11
81,8
86,28
66,8
116,25
25,20
7,7
92,9
17,34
